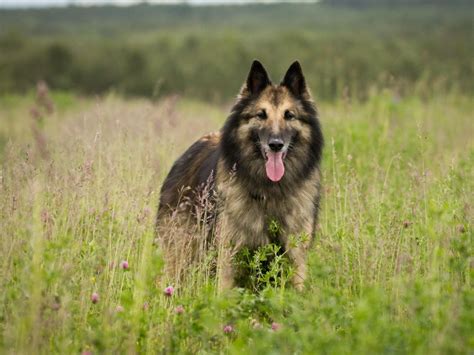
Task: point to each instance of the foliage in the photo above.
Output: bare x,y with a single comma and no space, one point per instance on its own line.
390,270
205,52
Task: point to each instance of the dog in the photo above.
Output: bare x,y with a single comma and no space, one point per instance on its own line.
262,167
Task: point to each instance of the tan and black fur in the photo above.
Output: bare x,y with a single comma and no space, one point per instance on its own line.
228,169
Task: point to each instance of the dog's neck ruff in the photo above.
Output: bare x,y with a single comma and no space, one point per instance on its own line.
257,197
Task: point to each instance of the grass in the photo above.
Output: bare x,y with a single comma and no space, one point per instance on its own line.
390,272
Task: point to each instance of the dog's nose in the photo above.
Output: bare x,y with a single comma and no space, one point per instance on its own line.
276,144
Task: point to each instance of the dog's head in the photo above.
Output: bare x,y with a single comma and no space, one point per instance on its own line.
274,128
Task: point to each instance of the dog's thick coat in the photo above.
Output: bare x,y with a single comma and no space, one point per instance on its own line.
262,167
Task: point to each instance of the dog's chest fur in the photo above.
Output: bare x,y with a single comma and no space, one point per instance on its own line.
250,217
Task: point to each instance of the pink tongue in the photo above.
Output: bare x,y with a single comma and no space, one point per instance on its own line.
274,166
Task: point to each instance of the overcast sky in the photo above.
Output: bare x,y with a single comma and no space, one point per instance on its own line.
43,3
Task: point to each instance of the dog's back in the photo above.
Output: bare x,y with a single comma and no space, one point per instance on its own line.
191,173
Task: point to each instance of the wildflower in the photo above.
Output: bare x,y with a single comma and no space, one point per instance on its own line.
276,326
228,329
169,291
255,324
146,306
119,309
35,113
95,297
124,264
179,309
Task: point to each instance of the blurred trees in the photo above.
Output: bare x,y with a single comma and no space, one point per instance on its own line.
206,52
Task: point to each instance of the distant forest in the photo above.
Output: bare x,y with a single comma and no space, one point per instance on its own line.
205,51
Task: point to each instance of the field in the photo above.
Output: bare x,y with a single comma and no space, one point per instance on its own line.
81,165
390,272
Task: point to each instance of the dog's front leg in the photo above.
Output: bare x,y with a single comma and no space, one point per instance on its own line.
297,256
226,275
297,245
226,251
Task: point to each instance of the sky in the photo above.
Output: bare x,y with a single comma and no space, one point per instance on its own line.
45,3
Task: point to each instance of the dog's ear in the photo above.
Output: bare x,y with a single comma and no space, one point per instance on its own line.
294,80
257,80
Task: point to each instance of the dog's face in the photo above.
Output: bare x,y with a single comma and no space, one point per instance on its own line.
274,124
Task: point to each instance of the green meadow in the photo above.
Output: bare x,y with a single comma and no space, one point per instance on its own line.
81,166
390,270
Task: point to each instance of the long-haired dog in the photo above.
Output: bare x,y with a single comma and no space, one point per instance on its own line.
262,167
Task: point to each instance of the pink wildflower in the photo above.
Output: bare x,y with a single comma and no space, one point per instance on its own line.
124,264
179,309
95,297
276,326
228,329
169,291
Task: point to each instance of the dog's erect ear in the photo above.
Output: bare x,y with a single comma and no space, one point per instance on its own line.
257,80
294,80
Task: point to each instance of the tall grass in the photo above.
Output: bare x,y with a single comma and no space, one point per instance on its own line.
390,271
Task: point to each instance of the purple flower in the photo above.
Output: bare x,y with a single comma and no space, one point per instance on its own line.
119,309
228,329
179,309
169,291
146,306
276,326
124,264
95,297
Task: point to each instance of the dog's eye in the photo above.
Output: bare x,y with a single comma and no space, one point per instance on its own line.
262,115
289,115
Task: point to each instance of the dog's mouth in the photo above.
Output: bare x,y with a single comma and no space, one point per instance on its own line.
274,166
